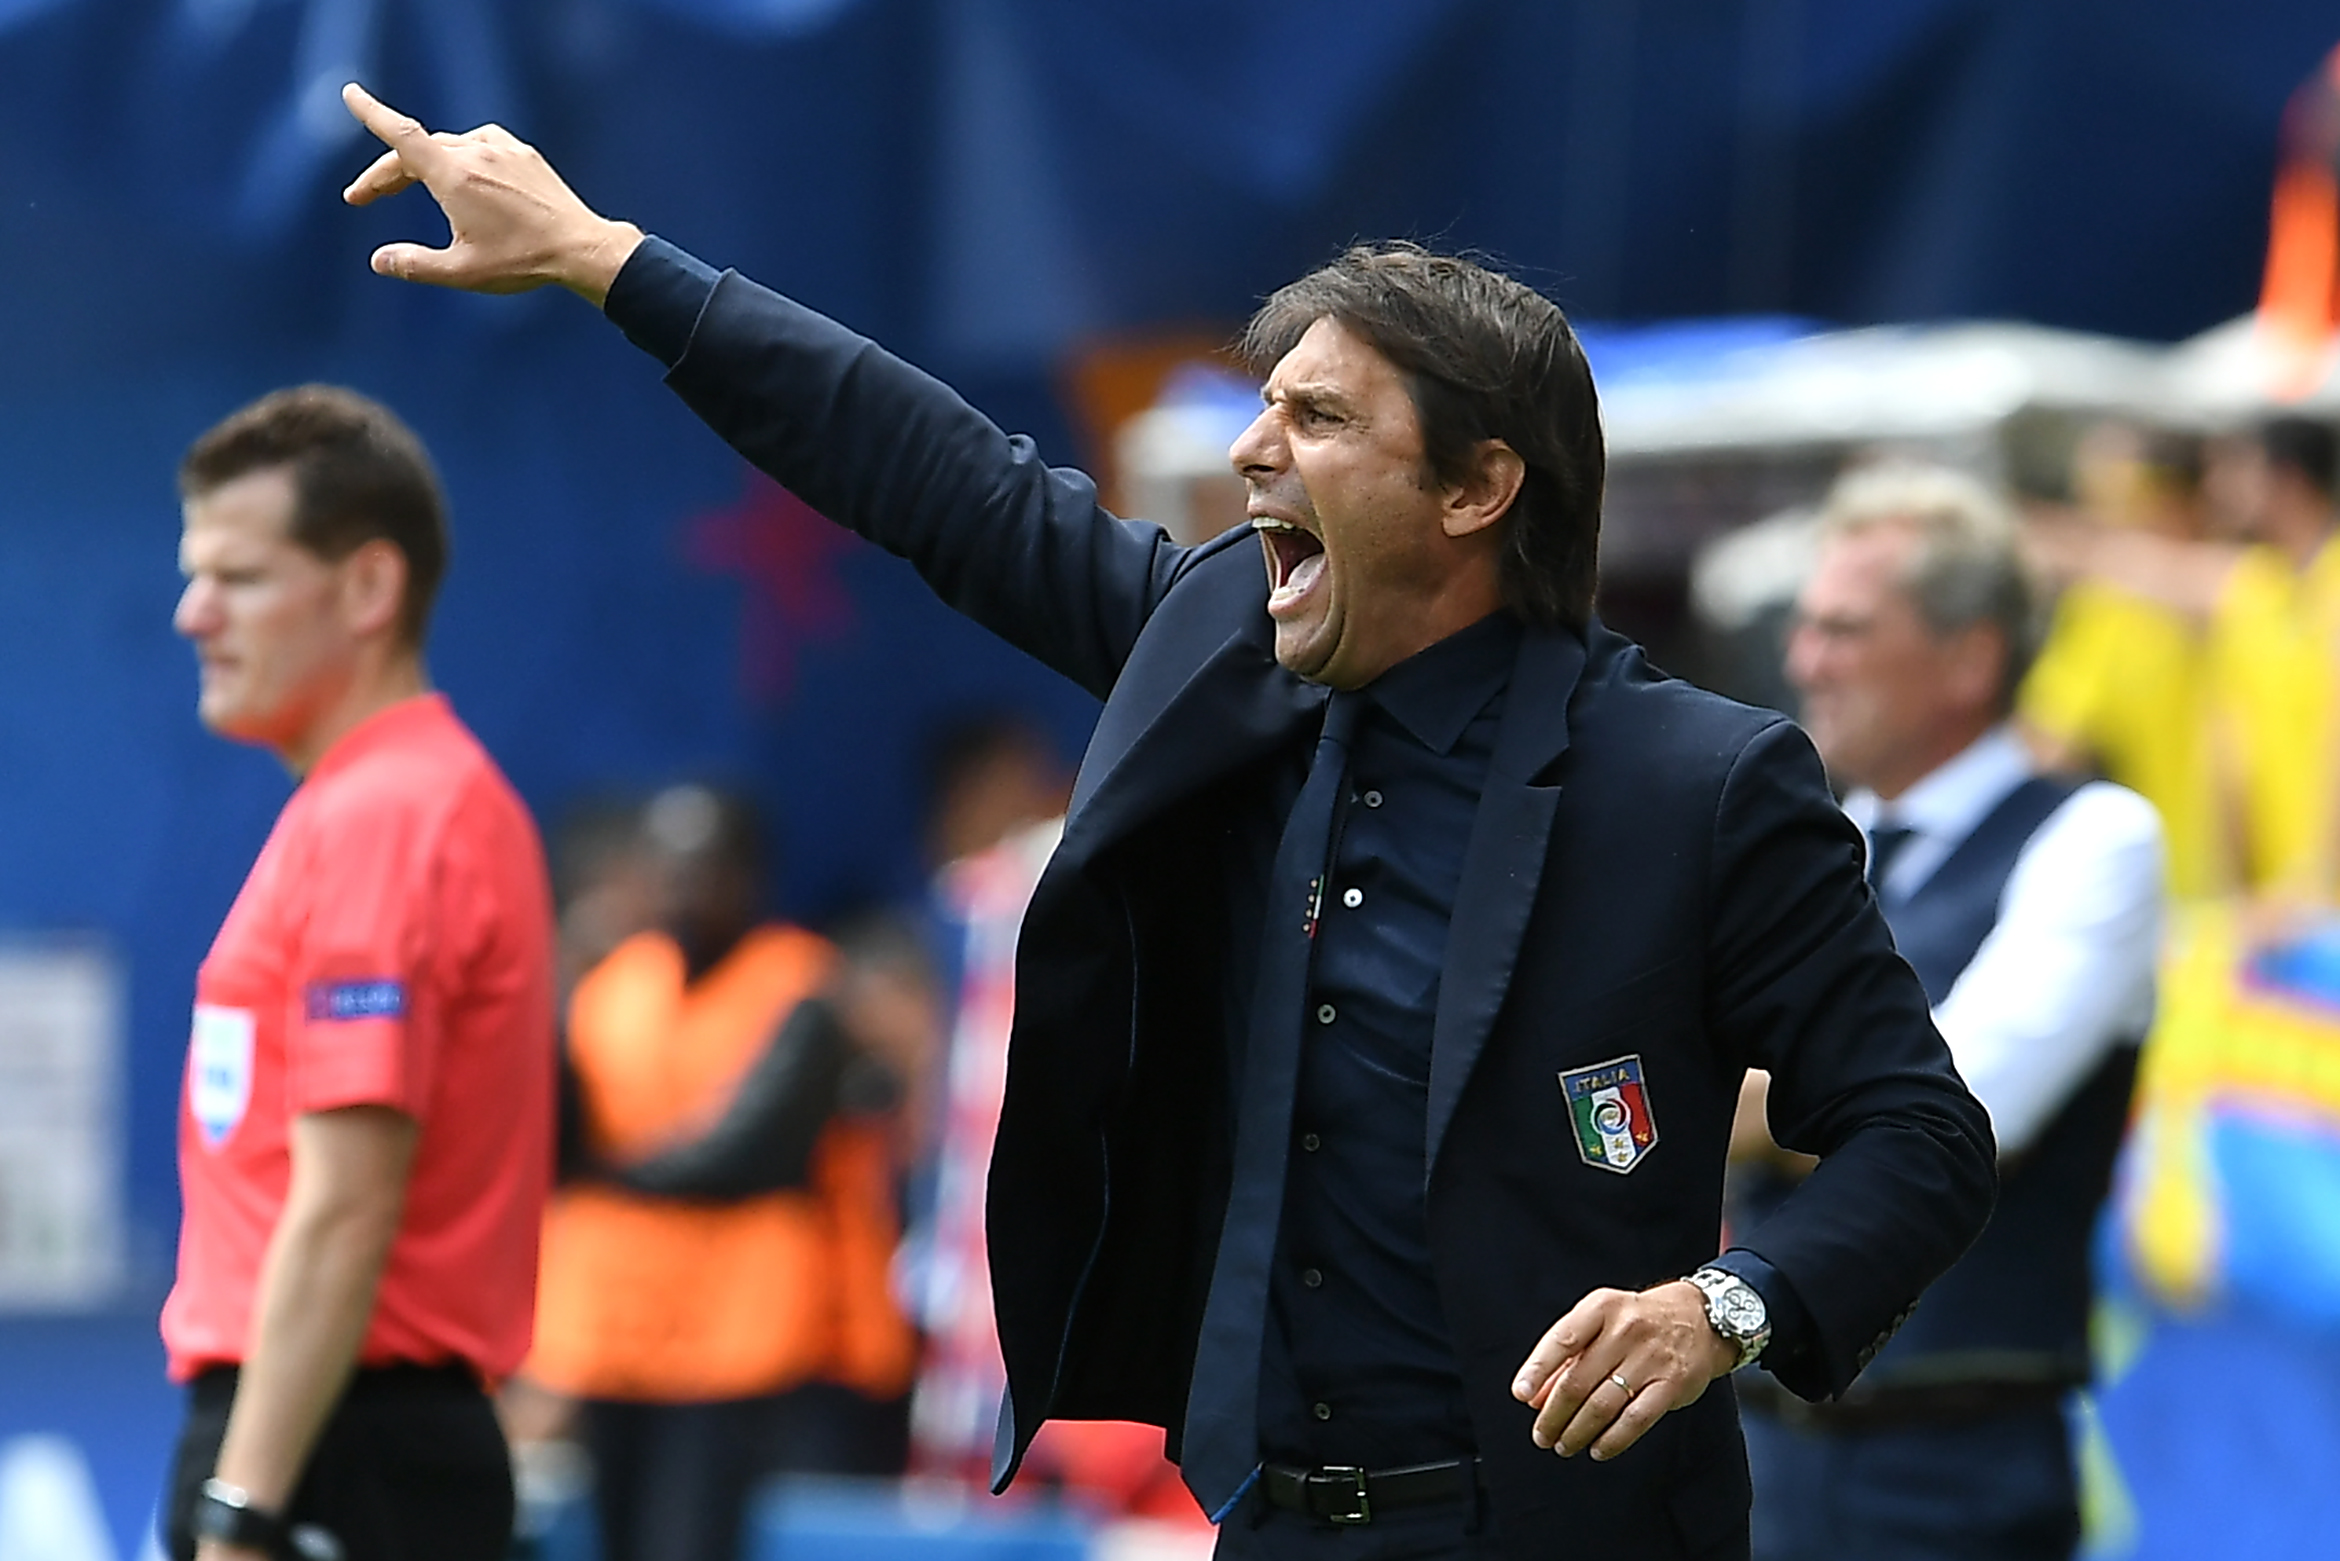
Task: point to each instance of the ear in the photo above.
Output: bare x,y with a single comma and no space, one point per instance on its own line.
1978,663
1485,493
373,588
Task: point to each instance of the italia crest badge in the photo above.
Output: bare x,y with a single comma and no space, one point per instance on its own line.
1609,1106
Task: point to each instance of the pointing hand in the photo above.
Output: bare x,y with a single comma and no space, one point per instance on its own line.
513,224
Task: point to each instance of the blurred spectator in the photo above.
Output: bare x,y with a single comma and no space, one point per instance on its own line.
890,1001
996,797
2266,588
2119,689
956,1403
715,1282
2274,636
987,778
605,886
1112,1467
2029,907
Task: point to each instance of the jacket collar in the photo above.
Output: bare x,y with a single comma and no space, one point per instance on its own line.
1148,752
1502,866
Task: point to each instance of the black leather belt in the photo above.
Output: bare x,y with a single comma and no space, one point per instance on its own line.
1344,1495
214,1387
1897,1407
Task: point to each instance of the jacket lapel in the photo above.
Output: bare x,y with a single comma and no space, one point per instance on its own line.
1234,706
1502,867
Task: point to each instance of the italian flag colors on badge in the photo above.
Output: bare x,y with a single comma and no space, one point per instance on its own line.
1609,1105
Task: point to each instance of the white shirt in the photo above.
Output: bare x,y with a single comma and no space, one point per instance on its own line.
2066,974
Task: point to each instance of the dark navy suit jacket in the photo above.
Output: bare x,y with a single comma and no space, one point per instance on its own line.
1653,871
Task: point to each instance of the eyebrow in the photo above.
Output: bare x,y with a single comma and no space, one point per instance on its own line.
1308,393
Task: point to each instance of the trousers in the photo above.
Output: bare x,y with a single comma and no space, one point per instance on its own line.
411,1466
677,1482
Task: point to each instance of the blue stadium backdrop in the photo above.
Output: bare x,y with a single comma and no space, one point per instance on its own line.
983,184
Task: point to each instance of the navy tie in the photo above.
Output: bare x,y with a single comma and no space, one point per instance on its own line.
1885,843
1221,1447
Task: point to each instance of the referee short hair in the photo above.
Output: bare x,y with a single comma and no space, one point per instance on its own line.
359,475
1968,567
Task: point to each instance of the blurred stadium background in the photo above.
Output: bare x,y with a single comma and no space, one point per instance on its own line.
1061,208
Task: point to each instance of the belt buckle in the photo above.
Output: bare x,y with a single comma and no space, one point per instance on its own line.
1345,1480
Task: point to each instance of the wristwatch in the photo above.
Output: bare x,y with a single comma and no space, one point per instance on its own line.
1735,1309
225,1512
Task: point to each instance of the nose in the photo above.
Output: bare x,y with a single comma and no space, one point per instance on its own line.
1258,451
198,610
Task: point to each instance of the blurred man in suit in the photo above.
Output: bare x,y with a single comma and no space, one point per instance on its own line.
2029,905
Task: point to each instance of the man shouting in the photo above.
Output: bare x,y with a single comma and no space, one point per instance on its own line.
1381,1015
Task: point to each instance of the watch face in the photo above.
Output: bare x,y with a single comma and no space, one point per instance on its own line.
1744,1310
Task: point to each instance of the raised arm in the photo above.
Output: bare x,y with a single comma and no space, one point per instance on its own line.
868,440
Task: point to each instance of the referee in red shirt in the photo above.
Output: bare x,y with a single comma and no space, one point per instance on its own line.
365,1143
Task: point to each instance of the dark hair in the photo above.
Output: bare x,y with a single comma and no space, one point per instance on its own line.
2174,456
694,820
2305,446
970,745
1485,357
359,475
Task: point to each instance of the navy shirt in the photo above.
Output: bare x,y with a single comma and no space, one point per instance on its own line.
1359,1367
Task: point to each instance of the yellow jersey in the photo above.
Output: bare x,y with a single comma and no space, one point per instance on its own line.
2126,681
2274,670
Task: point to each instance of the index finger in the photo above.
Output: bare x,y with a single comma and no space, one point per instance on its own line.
1561,1343
401,133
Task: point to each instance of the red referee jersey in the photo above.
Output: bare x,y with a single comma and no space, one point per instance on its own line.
393,947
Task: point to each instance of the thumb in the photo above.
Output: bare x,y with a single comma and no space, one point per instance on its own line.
417,263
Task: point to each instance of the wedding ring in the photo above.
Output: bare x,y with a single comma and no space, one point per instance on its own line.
1618,1377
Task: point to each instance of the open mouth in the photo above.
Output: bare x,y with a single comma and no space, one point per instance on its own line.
1295,561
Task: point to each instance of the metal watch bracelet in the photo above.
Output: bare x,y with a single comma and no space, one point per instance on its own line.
1735,1310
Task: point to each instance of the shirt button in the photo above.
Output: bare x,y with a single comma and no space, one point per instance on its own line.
1313,1278
1322,1411
1353,898
1310,1142
1373,799
1324,1013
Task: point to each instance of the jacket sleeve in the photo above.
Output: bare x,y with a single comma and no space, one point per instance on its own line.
1805,984
888,451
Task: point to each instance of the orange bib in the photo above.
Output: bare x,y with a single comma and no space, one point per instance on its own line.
659,1301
